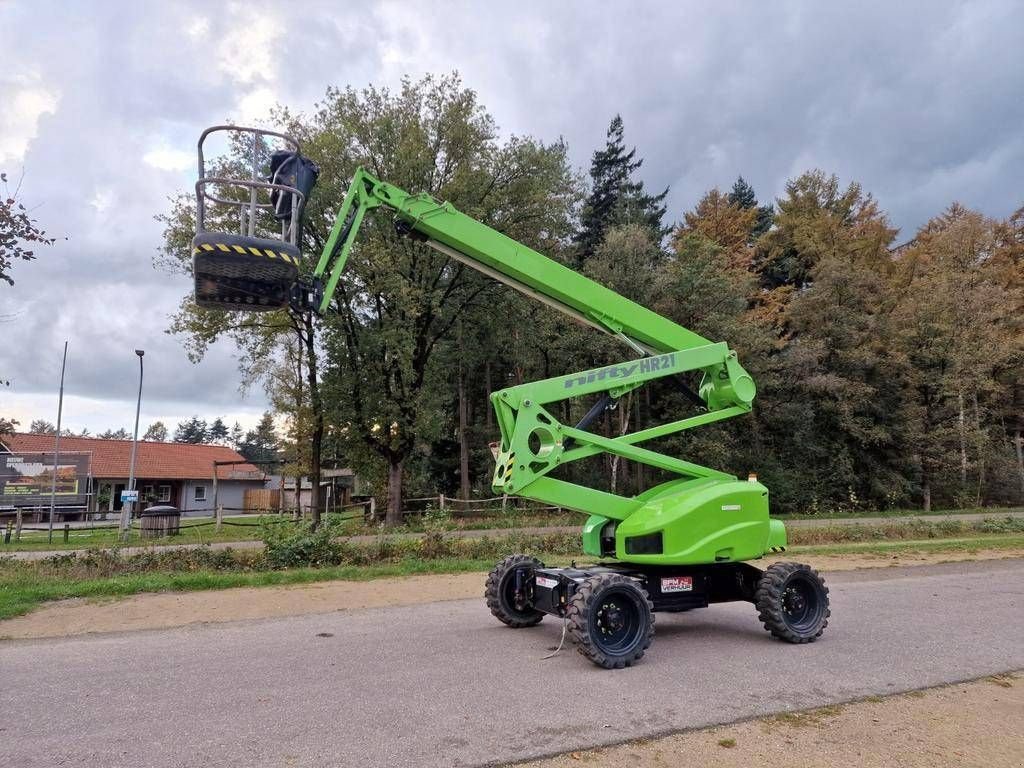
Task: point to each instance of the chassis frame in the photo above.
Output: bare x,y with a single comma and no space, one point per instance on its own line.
671,588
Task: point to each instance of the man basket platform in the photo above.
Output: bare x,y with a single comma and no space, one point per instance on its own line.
245,270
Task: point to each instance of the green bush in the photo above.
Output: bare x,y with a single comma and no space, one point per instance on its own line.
295,545
100,563
1003,525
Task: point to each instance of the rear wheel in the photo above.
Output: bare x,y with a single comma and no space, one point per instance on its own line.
792,602
509,591
611,620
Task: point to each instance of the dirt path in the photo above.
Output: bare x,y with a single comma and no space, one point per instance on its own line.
972,724
174,609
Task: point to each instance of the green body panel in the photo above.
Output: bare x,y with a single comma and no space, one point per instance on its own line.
702,521
703,515
592,534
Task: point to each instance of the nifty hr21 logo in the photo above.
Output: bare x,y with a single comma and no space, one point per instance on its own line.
658,363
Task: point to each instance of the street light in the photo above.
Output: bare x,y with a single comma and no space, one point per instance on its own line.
56,445
127,508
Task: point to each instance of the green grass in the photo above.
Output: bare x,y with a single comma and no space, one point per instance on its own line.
963,544
21,590
197,530
904,530
896,513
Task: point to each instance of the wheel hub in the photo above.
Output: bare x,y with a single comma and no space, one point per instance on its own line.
610,618
794,602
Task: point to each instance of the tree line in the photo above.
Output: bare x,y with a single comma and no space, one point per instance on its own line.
889,372
259,444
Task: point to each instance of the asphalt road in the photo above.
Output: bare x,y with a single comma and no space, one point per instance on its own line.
799,523
443,684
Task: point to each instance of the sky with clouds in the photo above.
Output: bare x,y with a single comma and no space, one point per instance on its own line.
101,104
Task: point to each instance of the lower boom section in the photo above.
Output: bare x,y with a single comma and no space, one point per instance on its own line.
608,608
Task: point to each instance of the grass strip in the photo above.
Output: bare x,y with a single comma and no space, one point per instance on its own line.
964,544
193,531
898,513
21,591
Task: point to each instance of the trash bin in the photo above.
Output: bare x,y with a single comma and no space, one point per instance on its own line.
159,521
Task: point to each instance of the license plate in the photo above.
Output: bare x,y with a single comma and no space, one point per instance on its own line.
677,584
544,581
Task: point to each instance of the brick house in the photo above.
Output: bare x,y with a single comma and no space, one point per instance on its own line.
179,474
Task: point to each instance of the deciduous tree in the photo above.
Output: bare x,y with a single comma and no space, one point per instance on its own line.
156,432
400,301
20,234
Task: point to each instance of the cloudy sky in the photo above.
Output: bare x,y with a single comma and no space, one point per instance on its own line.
101,103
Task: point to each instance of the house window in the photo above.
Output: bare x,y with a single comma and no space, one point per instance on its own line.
165,493
200,493
147,493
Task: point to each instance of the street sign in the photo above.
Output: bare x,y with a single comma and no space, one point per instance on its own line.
132,496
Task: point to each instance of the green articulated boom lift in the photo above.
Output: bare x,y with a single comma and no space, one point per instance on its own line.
680,545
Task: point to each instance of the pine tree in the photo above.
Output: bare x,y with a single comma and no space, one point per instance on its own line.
114,434
217,432
192,431
815,212
41,427
262,443
743,196
723,221
615,196
236,436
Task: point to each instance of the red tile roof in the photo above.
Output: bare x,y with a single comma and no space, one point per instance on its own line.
153,461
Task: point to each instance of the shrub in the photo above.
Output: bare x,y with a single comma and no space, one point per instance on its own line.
293,545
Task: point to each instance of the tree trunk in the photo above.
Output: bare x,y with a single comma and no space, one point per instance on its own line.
963,439
463,425
926,490
393,515
1018,441
616,460
316,406
489,410
640,466
980,450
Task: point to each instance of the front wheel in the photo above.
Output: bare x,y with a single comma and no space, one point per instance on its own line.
611,620
792,602
509,591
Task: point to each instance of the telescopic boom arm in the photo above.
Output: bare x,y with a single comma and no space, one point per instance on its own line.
533,442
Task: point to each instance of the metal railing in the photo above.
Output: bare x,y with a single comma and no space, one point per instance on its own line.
248,210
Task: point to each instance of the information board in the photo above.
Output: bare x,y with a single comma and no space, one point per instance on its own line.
26,479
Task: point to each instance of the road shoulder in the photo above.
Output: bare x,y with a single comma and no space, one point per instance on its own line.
969,724
165,610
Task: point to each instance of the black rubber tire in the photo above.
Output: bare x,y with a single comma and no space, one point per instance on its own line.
585,612
792,602
500,592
